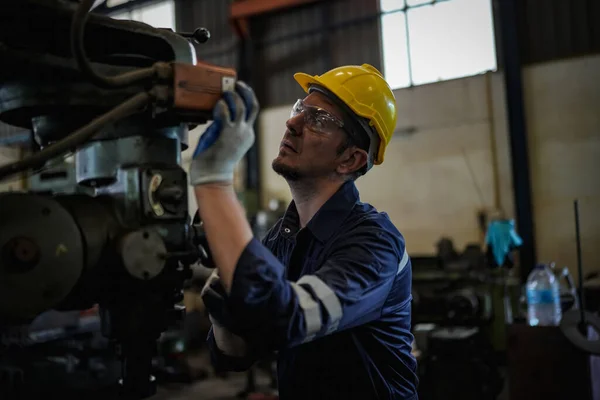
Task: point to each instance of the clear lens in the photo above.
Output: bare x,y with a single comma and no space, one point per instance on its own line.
296,109
316,119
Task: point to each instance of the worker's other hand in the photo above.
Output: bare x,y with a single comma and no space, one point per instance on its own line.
213,290
213,296
225,142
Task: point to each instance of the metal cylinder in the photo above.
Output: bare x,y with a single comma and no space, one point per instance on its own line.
41,254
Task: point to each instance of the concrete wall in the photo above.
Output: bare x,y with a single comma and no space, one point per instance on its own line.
456,162
563,109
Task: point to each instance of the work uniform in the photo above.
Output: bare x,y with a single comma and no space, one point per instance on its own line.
333,298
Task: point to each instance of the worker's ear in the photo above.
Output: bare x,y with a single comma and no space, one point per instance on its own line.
352,160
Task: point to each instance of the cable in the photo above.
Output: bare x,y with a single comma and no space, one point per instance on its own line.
109,82
77,138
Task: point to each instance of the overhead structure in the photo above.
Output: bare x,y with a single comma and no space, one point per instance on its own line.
242,10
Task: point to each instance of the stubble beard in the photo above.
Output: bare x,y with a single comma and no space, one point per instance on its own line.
288,173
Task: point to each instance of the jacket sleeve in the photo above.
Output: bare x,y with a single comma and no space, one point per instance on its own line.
350,289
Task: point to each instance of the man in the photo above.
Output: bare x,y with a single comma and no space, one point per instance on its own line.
329,287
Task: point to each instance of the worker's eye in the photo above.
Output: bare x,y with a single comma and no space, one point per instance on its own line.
321,121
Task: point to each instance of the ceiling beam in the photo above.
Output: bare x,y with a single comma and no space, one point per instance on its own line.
240,11
251,8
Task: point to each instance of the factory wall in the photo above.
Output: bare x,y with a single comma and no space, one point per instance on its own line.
307,38
312,39
562,101
213,15
450,159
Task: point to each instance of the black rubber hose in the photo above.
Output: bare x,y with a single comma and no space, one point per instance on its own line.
77,138
77,47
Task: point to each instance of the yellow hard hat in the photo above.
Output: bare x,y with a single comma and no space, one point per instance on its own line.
364,90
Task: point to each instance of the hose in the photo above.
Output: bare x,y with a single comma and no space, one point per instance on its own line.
108,82
79,137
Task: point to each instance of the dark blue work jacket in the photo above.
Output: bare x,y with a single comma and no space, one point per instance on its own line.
334,299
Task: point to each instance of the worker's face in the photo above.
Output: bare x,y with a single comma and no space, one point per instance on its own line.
314,144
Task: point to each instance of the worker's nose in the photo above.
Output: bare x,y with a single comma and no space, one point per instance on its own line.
295,124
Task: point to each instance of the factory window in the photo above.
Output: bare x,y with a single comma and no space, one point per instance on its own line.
427,41
158,14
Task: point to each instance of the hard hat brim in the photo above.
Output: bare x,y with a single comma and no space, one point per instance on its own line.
305,80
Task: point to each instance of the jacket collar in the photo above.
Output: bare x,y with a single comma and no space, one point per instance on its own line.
329,217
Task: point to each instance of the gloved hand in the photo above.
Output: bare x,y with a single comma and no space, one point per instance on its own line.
213,296
227,139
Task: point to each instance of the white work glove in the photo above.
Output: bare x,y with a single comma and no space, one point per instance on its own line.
227,139
228,343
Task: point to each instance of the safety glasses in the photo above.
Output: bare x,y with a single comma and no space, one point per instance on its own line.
315,118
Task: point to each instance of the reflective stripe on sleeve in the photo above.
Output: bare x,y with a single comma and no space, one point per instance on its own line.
326,296
403,262
311,309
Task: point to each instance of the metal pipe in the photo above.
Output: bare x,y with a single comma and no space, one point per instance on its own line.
493,147
517,130
408,55
582,323
245,73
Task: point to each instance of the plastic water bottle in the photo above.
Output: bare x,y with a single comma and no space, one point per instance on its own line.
543,297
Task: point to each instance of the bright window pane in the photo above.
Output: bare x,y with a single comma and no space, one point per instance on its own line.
411,3
160,15
114,3
395,55
122,15
450,40
391,5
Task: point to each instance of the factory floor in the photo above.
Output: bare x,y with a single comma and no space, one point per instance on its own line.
220,389
211,388
228,388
